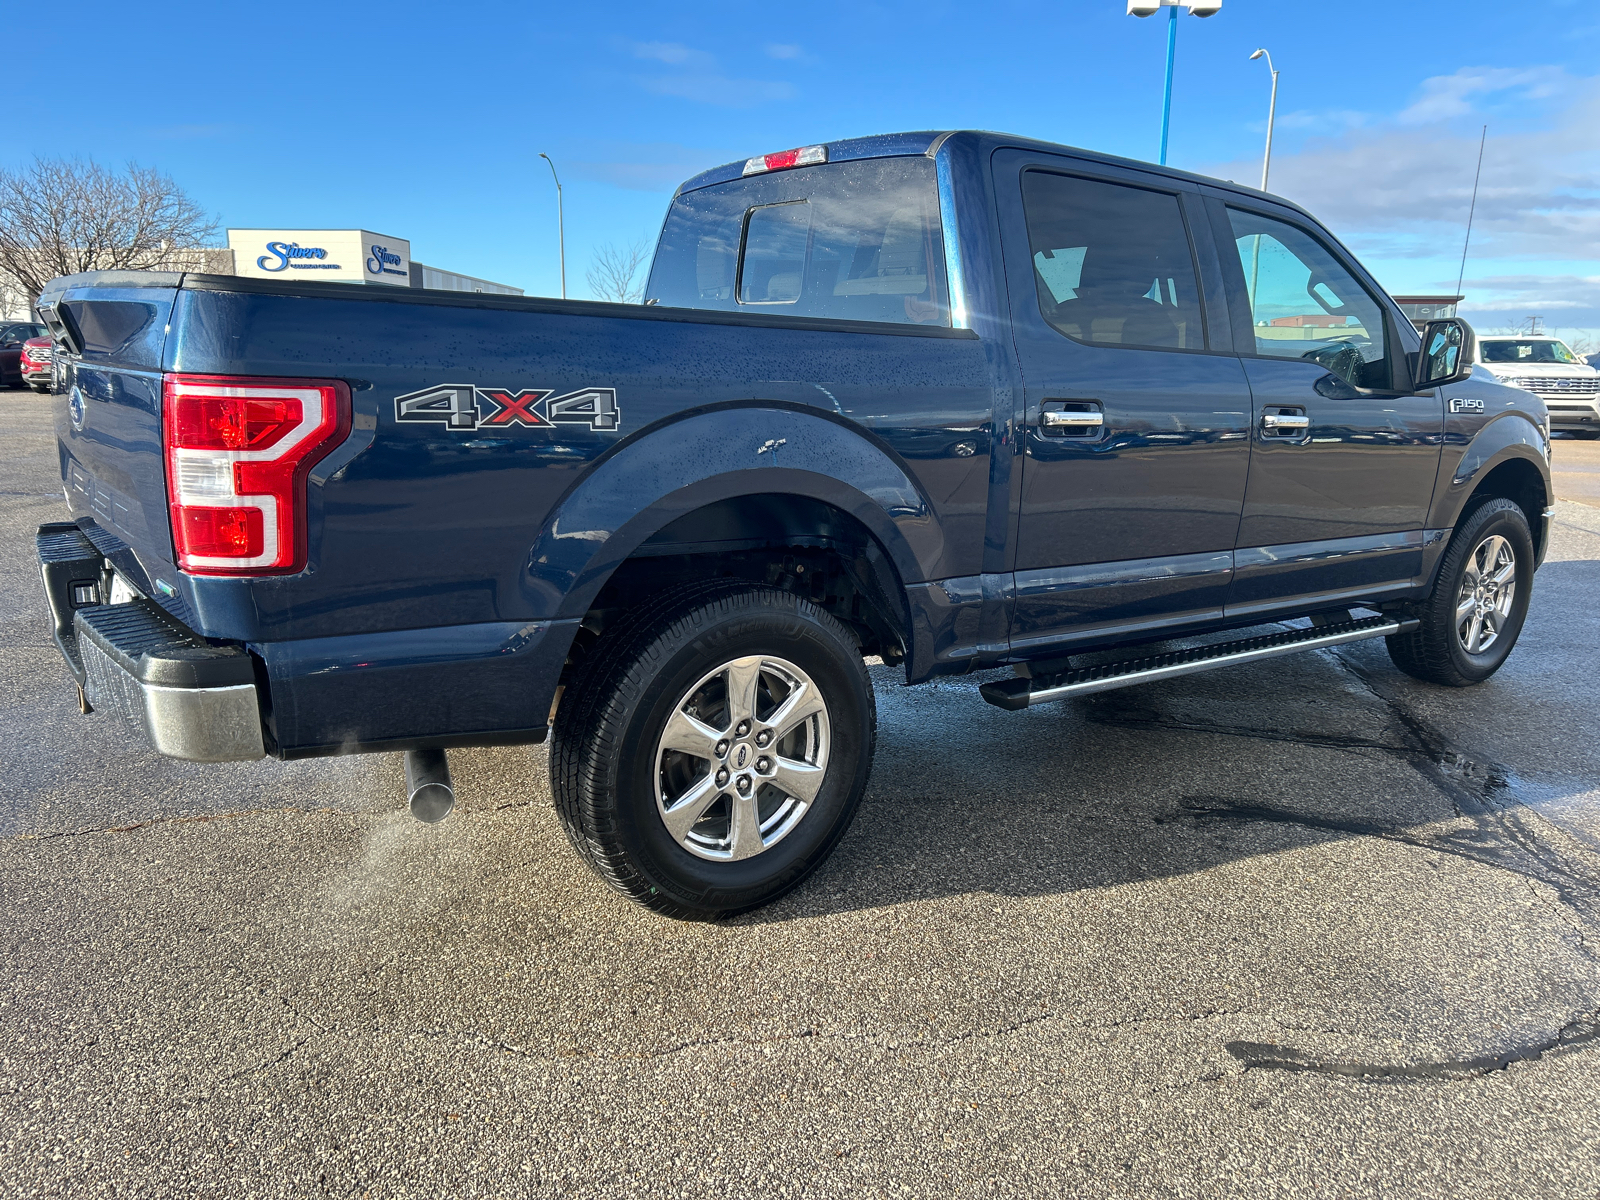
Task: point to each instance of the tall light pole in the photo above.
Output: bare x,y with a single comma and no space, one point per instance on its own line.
1272,115
1149,8
561,223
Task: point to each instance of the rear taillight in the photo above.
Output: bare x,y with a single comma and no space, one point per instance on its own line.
238,453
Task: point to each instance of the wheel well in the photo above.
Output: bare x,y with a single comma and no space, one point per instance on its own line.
1520,482
795,543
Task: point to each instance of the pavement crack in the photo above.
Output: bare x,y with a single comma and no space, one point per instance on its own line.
1257,1056
1116,709
1485,793
884,1041
132,826
1478,844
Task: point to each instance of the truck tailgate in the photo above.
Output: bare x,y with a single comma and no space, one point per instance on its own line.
107,408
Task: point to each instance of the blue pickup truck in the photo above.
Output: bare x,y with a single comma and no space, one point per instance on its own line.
951,400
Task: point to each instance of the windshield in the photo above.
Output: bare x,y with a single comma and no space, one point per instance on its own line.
1527,350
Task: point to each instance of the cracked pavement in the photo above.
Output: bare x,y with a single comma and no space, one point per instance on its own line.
1302,928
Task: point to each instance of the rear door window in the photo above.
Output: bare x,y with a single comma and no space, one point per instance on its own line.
1112,263
856,241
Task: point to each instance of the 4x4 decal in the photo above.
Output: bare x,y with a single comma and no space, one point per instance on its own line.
465,407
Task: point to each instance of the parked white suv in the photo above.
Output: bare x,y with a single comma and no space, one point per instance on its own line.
1569,386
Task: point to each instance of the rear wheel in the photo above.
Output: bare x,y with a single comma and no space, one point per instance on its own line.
713,748
1471,620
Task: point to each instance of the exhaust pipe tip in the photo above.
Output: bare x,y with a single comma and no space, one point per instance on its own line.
428,785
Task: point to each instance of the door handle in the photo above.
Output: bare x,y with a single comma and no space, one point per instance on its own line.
1290,423
1072,420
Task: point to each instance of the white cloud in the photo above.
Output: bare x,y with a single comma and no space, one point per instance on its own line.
647,166
1398,190
719,89
1407,190
1309,120
702,79
1556,297
673,53
1447,96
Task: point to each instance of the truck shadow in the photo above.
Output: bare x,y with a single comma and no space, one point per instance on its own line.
1178,777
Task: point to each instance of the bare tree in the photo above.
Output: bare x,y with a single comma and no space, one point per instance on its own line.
1582,342
62,216
613,275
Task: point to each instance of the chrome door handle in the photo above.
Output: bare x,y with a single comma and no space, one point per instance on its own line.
1281,421
1072,420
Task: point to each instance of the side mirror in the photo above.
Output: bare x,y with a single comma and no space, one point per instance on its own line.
1448,348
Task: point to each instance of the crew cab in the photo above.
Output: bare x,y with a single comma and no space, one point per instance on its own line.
1547,367
949,400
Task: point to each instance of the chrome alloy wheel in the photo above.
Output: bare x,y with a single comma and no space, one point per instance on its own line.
741,758
1487,591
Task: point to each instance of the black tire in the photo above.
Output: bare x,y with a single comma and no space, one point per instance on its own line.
603,749
1435,652
42,388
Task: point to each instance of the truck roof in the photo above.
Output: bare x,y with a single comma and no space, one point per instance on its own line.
928,141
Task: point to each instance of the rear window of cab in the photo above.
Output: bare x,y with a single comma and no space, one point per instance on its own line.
854,241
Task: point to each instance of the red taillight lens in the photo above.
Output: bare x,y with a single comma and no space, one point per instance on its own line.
233,422
804,156
238,452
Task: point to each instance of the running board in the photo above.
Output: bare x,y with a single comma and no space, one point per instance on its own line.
1103,677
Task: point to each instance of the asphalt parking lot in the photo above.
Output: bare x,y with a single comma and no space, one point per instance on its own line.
1305,928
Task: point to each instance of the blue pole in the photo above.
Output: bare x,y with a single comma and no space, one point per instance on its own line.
1166,98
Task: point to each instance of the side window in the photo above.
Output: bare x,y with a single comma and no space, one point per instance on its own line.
776,238
1112,263
1305,304
856,241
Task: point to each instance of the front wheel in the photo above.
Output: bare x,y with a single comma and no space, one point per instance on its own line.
713,749
1471,619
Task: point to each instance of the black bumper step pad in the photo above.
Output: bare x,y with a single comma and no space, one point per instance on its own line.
74,578
154,648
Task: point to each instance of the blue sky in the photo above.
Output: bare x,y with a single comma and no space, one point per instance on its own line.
425,121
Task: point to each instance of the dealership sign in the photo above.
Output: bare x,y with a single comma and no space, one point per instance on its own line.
327,255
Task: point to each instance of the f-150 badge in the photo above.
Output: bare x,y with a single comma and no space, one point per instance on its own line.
465,407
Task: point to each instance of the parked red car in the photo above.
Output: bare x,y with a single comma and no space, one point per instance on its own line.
35,363
11,338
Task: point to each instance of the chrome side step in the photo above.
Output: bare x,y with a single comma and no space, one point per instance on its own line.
1103,677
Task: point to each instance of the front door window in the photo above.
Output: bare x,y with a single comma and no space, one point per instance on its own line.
1305,304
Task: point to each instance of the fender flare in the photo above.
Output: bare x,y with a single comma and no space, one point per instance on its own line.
1507,437
672,469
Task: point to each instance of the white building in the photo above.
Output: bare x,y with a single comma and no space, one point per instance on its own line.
344,256
356,256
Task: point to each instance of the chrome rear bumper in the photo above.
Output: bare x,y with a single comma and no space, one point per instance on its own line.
192,698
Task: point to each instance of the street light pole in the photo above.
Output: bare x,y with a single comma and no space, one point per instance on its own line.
1272,115
561,223
1166,92
1149,8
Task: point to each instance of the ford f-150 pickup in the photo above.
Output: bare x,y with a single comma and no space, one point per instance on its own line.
952,400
